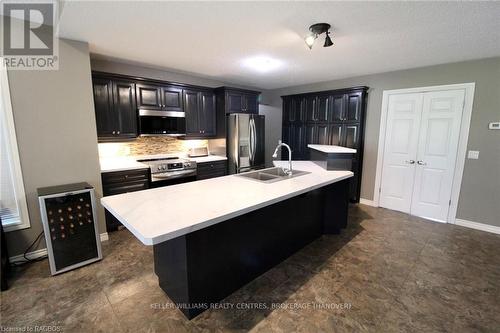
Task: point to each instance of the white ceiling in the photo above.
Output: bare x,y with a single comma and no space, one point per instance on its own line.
213,39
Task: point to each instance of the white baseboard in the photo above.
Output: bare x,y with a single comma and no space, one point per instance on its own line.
43,252
479,226
367,202
30,255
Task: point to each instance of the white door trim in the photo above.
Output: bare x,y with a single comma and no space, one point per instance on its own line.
462,144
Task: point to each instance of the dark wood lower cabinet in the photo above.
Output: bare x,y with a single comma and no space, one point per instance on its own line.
208,170
119,182
205,266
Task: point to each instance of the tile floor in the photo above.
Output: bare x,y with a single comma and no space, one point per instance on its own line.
396,273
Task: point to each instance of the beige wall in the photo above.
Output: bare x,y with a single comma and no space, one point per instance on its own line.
480,190
56,132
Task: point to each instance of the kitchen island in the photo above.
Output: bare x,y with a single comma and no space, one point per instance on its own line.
211,237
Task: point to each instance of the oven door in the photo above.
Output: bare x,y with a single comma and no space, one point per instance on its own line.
172,178
153,122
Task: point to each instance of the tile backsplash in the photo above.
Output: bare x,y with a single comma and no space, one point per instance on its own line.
148,146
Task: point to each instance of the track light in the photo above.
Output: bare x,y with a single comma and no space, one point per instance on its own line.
316,30
328,40
310,40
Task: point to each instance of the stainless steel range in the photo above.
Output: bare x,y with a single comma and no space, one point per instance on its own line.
170,170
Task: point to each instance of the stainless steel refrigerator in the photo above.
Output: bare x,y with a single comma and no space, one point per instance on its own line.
245,142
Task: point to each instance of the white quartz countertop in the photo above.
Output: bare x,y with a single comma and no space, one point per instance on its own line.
110,164
330,149
209,158
164,213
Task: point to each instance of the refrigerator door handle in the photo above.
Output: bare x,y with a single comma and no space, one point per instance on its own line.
252,139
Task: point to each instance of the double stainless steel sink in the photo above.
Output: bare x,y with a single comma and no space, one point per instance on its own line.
271,175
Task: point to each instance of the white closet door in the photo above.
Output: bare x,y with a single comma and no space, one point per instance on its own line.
437,152
398,170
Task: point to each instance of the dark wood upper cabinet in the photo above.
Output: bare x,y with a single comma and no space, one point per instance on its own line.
172,99
312,108
125,107
200,113
293,109
207,114
149,97
118,97
337,107
156,97
251,103
103,105
324,113
115,109
353,107
191,106
234,100
333,117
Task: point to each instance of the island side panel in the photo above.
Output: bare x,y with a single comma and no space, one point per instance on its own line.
332,161
222,258
171,267
336,206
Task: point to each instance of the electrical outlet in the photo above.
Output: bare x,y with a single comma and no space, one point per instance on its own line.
494,125
473,155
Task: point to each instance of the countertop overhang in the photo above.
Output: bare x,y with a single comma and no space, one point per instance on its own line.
160,214
331,149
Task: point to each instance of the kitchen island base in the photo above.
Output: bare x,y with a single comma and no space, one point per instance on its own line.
205,266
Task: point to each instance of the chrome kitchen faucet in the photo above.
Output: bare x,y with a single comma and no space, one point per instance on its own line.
280,144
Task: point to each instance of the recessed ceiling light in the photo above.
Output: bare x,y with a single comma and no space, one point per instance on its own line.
262,64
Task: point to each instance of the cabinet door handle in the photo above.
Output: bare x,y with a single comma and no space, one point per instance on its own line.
421,163
410,162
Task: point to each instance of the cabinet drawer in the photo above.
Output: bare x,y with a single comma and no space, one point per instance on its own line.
211,169
208,166
207,175
112,189
121,177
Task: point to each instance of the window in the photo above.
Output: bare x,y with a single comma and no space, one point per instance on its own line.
13,208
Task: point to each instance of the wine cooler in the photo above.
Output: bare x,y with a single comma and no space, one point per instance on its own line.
70,225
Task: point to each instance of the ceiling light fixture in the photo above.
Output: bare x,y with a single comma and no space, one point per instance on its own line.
316,30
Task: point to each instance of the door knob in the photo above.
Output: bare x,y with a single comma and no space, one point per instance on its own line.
410,162
421,163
